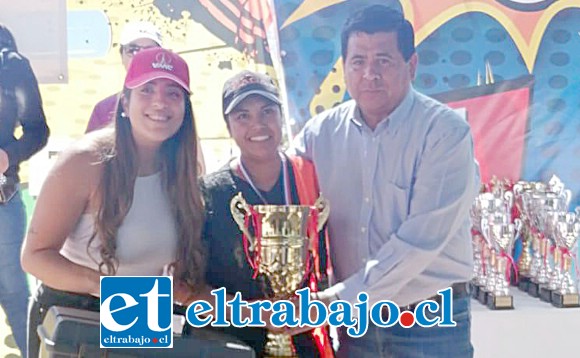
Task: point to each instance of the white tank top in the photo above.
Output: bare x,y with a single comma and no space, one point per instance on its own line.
146,240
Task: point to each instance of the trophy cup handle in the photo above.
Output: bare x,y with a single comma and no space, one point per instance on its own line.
323,211
509,198
518,226
239,208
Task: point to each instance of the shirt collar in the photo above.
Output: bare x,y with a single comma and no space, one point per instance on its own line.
393,120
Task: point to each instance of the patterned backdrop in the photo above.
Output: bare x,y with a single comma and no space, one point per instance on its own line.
455,39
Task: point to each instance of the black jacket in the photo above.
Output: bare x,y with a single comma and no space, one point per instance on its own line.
20,103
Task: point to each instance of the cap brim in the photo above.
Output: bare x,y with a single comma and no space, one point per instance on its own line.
268,95
139,81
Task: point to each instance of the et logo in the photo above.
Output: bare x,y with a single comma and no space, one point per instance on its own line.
136,312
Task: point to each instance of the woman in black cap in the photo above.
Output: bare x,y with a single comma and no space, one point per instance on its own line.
264,175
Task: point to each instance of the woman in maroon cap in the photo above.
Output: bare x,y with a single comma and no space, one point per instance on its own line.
127,198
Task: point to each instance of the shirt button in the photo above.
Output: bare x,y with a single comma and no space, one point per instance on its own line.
367,199
363,229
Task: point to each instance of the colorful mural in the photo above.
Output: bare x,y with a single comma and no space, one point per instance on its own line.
456,40
526,119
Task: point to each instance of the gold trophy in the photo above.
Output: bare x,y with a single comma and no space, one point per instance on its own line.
279,248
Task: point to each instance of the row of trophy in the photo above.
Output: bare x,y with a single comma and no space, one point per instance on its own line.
494,233
549,242
536,215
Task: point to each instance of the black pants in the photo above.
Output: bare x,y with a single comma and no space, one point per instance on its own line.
46,297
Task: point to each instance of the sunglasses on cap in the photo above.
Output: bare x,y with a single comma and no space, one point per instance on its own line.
131,50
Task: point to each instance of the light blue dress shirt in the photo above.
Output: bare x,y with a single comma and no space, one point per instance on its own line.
399,197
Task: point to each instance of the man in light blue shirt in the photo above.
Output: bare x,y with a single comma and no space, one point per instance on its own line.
399,172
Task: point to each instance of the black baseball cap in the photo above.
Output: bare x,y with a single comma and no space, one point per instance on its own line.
247,83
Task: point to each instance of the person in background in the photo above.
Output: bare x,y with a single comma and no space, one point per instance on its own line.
128,198
135,36
399,172
20,104
264,175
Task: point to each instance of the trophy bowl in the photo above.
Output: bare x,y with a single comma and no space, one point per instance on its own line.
277,241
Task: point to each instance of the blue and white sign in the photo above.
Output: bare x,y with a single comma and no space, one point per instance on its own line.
136,312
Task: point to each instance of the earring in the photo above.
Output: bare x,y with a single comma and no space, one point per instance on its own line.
123,115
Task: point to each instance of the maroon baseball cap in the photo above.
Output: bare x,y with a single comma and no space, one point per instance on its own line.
154,63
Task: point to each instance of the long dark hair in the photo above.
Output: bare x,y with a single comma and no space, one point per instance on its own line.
179,175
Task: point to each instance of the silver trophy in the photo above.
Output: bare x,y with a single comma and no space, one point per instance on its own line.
479,245
500,234
545,202
567,230
551,219
521,190
490,209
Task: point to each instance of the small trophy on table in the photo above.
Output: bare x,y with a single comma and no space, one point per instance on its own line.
501,234
566,232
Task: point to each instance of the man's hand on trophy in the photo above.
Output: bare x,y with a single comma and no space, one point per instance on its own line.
323,297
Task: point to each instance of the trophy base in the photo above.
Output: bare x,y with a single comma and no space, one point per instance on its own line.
534,289
500,302
279,345
523,283
565,300
545,294
482,295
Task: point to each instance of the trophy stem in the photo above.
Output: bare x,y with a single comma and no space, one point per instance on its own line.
525,261
566,262
279,345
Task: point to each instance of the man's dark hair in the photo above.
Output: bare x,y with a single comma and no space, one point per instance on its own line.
380,18
7,39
